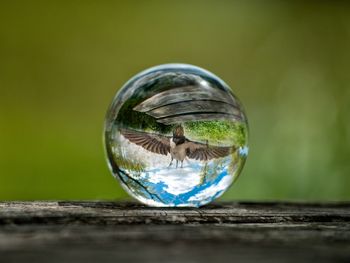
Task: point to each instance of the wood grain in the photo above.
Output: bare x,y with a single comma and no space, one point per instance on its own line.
90,231
190,103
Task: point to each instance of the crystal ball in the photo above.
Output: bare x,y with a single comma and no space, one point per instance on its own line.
175,135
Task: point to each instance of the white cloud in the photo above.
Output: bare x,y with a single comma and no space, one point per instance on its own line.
213,189
177,180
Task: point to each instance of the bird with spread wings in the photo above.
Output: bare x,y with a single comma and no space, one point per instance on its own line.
177,145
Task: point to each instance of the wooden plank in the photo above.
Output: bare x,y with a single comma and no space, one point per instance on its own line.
130,232
194,107
191,103
129,213
187,93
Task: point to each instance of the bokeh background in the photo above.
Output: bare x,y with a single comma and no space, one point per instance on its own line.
61,62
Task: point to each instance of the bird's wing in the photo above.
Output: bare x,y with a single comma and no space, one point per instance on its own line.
204,152
150,141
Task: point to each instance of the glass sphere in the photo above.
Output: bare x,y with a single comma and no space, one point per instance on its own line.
176,135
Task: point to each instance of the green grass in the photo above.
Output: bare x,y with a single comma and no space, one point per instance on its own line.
218,132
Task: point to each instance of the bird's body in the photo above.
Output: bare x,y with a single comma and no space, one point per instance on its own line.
177,151
177,145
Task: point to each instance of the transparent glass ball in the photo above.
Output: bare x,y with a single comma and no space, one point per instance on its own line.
176,135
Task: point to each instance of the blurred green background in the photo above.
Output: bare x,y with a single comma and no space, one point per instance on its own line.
63,61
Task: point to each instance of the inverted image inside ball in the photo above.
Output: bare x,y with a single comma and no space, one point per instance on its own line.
176,135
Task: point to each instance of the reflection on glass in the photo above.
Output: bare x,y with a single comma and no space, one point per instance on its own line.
175,135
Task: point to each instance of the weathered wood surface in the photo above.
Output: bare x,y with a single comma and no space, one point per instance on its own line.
186,93
193,107
120,232
191,103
